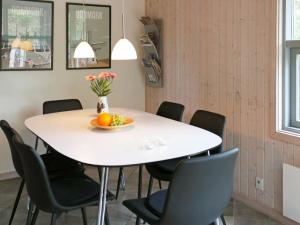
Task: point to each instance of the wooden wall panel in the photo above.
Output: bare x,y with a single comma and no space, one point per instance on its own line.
221,56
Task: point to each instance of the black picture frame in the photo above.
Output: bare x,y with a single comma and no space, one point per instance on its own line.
34,3
107,63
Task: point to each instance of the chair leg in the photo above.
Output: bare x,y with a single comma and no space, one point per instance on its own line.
223,219
150,186
84,217
30,212
16,202
53,219
106,218
160,186
36,143
34,217
119,182
140,184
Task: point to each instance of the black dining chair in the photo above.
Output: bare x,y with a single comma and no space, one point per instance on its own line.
61,168
58,195
210,121
62,105
200,190
170,110
55,106
56,165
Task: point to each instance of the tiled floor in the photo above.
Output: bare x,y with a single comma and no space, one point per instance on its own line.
235,214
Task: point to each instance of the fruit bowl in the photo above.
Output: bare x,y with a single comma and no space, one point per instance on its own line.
128,122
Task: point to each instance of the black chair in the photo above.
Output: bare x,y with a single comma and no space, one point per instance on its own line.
61,105
59,195
55,106
198,193
210,121
48,159
170,110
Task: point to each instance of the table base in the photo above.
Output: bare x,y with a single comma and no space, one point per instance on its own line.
103,173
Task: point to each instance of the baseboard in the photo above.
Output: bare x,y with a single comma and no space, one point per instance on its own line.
8,175
265,210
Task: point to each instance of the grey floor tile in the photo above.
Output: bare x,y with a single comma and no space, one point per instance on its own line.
235,214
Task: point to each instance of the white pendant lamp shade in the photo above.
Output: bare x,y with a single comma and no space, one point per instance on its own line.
84,51
124,50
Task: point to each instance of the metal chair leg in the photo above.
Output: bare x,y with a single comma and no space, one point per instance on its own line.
34,217
84,217
223,219
138,220
30,212
16,202
36,143
150,186
106,218
53,219
119,182
217,221
140,181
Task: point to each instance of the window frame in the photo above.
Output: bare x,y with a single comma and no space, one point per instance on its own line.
290,52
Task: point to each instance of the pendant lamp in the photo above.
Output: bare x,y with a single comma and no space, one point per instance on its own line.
84,50
124,49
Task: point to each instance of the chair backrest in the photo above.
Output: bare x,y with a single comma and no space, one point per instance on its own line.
9,133
200,189
212,122
37,180
171,110
61,105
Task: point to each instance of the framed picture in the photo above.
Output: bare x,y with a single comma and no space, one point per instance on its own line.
26,35
91,23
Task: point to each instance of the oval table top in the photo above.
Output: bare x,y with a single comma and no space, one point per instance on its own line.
152,138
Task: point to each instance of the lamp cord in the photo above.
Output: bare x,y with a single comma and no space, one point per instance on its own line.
84,23
123,19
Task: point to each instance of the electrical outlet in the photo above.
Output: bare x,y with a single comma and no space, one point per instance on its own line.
259,183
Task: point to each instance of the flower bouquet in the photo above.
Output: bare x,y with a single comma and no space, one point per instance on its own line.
101,86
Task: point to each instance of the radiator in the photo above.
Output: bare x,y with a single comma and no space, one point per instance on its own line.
291,192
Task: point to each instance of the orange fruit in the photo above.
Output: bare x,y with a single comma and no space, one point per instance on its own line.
104,119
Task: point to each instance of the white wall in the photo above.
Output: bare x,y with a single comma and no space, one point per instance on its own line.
22,93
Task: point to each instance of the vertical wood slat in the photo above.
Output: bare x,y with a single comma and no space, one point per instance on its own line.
251,95
244,147
220,56
260,95
236,117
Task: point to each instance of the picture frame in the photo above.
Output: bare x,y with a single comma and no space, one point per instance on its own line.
91,23
26,35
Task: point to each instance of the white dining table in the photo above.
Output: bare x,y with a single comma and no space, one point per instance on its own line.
151,139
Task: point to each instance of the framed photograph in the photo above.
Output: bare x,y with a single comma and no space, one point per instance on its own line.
91,23
26,35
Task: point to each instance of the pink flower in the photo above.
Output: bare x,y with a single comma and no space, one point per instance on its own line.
107,75
90,77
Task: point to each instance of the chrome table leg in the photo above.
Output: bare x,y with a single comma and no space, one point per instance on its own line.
103,191
123,181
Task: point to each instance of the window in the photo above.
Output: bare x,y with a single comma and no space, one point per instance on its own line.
291,66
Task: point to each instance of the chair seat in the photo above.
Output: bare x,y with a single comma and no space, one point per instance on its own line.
158,173
138,206
168,165
59,165
156,202
72,191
